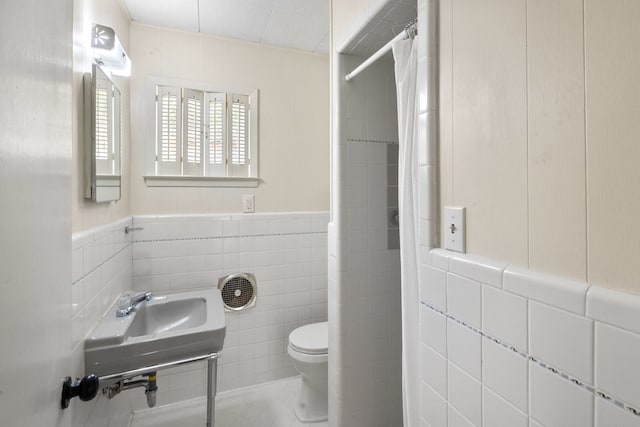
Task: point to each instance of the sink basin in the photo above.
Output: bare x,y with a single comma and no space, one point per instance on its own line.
174,315
169,328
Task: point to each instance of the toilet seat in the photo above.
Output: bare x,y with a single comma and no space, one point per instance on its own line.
312,339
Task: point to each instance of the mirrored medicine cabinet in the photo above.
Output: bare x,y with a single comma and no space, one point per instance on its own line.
102,134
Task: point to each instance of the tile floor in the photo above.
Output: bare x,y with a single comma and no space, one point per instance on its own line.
264,405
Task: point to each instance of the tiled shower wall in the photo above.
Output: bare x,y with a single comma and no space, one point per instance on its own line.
505,346
286,252
365,320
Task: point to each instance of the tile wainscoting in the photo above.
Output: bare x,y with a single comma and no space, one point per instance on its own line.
101,270
505,346
287,252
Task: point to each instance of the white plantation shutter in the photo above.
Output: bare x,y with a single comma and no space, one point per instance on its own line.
215,147
168,130
205,134
192,132
239,135
104,132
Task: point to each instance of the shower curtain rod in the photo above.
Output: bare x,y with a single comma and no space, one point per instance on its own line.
410,31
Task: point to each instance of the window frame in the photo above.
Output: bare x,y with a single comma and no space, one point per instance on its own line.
152,176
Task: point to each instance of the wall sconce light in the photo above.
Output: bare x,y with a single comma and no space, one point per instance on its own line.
108,51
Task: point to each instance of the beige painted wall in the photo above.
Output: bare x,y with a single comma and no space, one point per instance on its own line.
293,127
539,133
86,214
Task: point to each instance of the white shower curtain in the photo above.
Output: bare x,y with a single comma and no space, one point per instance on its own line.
406,65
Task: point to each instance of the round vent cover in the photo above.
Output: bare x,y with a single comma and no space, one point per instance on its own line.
238,291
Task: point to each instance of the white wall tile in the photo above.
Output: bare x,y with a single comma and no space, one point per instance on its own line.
617,367
506,373
464,300
465,394
464,348
504,316
433,329
497,412
554,334
433,287
433,408
287,267
79,240
440,258
556,402
433,369
479,269
562,293
456,419
615,308
562,339
608,414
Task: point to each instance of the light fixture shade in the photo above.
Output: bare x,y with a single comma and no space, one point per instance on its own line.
103,37
108,51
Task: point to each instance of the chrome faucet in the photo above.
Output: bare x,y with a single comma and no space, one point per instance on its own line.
127,305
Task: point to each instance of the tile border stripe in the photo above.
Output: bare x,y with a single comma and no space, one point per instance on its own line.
372,141
229,237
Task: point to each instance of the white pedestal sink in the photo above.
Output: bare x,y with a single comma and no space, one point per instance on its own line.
168,330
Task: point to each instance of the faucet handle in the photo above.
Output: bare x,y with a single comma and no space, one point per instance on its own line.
125,300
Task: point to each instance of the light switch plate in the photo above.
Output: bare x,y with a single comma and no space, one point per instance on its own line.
454,229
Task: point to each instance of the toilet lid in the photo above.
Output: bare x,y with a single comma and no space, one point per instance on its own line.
310,339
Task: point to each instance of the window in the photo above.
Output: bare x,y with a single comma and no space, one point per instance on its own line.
207,135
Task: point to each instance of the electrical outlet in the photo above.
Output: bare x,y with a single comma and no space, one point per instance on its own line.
248,203
454,229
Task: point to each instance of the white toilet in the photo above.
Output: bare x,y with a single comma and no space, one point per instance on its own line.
308,348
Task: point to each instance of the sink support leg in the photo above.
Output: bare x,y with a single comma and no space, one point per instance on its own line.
212,371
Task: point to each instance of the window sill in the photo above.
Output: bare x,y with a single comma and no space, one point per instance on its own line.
201,181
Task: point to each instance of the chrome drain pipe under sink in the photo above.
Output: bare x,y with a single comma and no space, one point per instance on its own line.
150,388
115,383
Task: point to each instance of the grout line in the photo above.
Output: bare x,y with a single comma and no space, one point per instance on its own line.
590,388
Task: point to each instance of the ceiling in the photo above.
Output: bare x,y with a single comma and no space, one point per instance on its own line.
297,24
378,27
